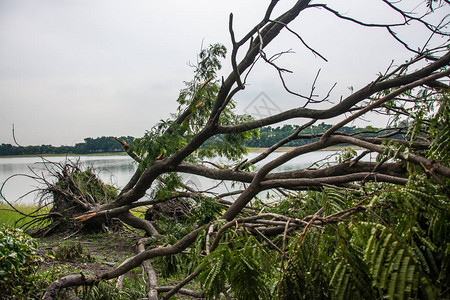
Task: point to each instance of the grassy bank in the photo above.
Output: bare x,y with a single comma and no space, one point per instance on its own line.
9,216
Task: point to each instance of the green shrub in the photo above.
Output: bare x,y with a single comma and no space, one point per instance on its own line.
18,261
70,251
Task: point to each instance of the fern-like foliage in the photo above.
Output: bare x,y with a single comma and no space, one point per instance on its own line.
399,271
249,267
407,251
351,278
215,270
244,265
398,249
306,275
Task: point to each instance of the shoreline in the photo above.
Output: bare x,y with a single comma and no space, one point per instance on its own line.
250,149
65,155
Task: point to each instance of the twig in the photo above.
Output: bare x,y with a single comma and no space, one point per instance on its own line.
209,232
284,245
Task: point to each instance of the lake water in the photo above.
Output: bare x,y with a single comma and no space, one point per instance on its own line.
115,170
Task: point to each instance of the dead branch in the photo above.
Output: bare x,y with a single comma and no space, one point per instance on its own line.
148,269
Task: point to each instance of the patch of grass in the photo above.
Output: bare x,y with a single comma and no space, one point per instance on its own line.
70,251
100,246
107,291
10,217
140,211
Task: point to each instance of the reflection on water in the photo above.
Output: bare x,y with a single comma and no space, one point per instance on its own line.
118,169
115,170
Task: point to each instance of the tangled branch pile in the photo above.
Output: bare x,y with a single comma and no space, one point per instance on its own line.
71,192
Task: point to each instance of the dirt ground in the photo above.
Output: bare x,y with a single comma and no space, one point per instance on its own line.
100,252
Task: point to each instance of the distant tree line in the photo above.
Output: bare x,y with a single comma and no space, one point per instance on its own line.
91,145
268,136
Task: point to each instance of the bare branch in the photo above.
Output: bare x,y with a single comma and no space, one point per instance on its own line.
388,97
345,105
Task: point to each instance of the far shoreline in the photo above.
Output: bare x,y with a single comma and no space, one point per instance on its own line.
65,155
250,149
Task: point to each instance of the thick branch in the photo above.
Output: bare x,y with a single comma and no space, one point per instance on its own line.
393,169
416,159
304,183
139,223
148,268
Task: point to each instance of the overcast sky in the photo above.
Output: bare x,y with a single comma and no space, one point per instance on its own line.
84,68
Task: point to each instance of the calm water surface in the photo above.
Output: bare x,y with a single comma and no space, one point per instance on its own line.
115,170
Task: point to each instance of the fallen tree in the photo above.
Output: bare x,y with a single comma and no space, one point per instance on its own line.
64,190
72,191
357,228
